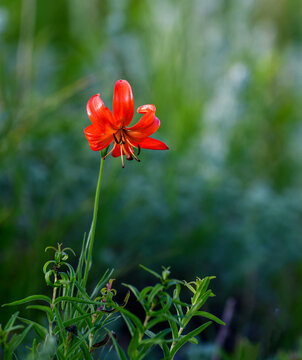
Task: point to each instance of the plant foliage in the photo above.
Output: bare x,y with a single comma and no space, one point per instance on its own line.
81,325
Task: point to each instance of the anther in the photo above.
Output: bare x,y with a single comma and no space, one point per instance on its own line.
115,138
132,153
138,149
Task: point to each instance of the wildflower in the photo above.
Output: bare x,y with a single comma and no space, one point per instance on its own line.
108,127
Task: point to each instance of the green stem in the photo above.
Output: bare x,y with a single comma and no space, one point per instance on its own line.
52,305
93,225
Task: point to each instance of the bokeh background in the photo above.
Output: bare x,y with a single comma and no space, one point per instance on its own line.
226,200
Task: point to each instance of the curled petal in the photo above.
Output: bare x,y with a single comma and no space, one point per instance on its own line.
145,127
153,144
146,108
123,105
99,114
97,141
94,106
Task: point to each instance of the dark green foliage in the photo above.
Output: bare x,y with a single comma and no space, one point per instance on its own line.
80,325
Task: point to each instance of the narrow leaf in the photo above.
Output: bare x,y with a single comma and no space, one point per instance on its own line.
151,271
16,341
28,299
39,329
76,300
120,352
209,316
46,309
188,337
12,320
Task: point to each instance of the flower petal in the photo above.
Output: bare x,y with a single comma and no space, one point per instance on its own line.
145,127
123,105
146,108
99,114
97,141
116,150
153,144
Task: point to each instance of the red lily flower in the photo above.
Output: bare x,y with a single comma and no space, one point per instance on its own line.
107,128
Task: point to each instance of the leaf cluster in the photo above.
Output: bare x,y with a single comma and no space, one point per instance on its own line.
79,324
166,315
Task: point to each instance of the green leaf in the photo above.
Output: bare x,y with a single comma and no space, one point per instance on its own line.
201,287
85,351
165,350
156,289
190,287
119,351
46,265
14,328
46,309
11,321
176,292
82,312
155,321
136,321
17,340
134,290
50,247
156,338
29,299
179,311
209,316
78,343
126,299
69,249
174,328
182,303
105,278
76,320
76,300
193,341
134,344
48,278
84,294
82,290
39,329
71,270
163,345
203,299
59,319
188,337
165,306
60,353
79,271
129,324
143,294
33,350
151,271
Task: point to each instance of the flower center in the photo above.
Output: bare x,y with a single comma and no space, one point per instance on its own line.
126,146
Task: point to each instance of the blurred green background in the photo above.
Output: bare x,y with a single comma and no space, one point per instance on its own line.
226,200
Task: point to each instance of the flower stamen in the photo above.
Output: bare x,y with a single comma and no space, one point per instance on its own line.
132,153
115,138
104,157
123,165
129,143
